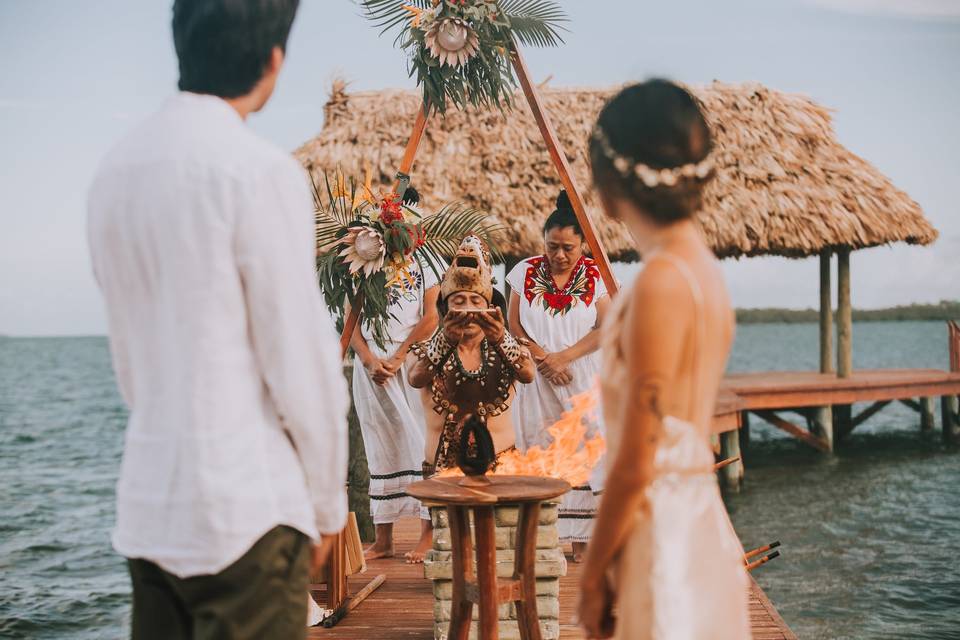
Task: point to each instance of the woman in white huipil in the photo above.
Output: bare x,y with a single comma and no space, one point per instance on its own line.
558,301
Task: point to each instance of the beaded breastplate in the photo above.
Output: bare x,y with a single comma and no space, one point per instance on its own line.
458,392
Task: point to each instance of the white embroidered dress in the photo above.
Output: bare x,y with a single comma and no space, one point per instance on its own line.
557,316
391,417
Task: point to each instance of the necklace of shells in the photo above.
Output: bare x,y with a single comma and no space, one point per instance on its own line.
454,368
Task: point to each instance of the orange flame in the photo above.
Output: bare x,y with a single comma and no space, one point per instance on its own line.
571,456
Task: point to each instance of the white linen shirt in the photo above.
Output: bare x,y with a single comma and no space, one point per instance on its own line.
202,241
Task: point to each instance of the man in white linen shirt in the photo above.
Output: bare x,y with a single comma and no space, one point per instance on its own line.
201,237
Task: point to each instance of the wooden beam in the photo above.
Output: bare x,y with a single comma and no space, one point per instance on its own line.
559,159
910,402
867,413
797,432
826,314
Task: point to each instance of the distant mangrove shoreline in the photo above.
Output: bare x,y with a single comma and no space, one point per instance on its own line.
944,310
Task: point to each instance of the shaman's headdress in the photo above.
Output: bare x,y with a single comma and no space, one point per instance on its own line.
470,270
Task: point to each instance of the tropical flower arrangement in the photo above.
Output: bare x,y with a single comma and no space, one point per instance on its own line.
460,50
368,244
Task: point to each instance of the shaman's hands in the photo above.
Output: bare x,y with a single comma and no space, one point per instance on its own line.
490,322
454,325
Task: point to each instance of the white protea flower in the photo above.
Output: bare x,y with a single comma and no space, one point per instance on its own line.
452,41
364,251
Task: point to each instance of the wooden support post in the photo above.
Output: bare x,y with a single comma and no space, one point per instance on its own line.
826,314
559,158
731,476
525,571
461,611
842,414
823,416
484,531
823,425
950,414
926,414
844,315
744,431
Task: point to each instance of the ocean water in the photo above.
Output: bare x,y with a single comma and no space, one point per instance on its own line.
870,535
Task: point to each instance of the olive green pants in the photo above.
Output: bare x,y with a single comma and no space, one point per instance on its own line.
261,595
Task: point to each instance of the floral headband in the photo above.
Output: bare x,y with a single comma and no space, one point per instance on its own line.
650,177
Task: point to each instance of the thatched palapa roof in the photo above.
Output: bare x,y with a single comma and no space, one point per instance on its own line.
784,185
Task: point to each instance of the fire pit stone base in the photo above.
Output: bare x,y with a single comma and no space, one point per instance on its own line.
550,565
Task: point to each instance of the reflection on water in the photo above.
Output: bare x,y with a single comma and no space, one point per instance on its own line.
869,535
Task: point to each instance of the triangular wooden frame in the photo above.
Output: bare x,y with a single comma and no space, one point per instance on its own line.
337,596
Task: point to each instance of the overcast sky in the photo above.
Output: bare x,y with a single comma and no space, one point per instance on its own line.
77,75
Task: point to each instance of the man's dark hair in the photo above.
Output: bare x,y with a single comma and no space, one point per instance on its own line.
224,46
661,125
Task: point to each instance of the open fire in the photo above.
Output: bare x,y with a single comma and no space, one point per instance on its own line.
570,456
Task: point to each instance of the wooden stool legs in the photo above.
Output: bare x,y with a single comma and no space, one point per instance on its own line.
485,590
524,571
462,552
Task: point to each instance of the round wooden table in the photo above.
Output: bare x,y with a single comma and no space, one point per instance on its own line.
460,495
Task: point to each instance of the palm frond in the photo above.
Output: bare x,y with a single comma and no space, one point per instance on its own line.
445,229
535,23
387,14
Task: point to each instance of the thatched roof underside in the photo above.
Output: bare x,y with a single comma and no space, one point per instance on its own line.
784,185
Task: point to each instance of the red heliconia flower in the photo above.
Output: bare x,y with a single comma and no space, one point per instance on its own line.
391,210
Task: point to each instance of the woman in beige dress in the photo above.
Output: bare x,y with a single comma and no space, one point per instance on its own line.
665,562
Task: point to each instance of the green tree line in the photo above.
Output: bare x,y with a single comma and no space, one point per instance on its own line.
944,310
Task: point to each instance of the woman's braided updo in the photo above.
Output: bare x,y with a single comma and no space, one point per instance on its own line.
651,145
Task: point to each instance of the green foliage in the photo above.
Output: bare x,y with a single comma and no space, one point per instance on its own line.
486,79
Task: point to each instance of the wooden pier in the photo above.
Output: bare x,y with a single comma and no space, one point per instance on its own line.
825,400
403,607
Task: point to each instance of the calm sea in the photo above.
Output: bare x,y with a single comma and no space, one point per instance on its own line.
870,535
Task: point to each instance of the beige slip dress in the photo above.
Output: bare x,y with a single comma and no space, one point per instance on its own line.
681,574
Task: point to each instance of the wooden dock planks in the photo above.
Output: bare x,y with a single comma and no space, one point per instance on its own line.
785,389
403,607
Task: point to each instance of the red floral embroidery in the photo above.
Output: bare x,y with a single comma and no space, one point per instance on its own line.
581,287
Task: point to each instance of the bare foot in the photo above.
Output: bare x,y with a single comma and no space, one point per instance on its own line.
579,551
375,553
415,556
423,545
